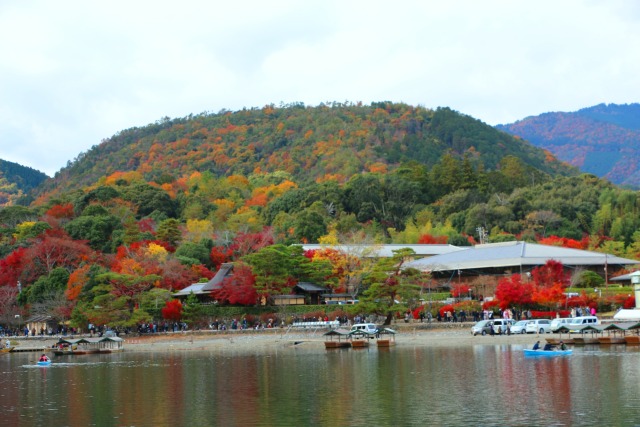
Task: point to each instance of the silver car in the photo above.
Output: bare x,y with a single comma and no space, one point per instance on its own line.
519,327
483,327
541,326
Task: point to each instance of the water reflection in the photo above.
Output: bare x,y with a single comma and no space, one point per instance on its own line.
403,386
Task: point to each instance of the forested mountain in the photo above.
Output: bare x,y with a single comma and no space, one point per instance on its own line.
157,208
16,180
603,140
328,142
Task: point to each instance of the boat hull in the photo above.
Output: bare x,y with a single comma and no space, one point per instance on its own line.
547,353
556,341
585,341
359,343
611,340
47,363
632,340
336,344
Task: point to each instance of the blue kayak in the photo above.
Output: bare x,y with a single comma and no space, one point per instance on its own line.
530,352
44,363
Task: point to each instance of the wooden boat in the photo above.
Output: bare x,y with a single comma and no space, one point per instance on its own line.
615,333
632,339
583,338
360,338
6,349
530,352
556,340
611,340
359,343
80,346
337,338
389,339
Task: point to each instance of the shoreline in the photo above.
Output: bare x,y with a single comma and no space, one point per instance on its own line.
250,340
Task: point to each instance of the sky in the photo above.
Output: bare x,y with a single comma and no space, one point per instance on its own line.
74,73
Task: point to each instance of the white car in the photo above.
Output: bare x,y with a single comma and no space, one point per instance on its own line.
500,326
541,326
519,327
558,322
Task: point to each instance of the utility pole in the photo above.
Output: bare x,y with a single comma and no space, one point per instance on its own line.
482,235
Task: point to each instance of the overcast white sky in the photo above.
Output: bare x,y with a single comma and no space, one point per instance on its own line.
73,73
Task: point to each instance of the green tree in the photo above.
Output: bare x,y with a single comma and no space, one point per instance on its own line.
195,251
169,231
97,230
191,309
391,289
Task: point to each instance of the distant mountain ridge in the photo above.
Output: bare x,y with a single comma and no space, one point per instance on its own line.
325,142
17,180
603,140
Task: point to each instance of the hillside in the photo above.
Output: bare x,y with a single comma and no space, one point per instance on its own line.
327,142
158,208
16,180
603,140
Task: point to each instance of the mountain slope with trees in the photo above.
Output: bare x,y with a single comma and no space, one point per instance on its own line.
155,209
17,180
328,142
603,140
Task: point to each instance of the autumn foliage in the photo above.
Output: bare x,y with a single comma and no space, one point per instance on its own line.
172,310
238,288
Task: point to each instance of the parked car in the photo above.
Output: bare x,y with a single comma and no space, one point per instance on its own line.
541,326
577,322
367,327
500,325
483,327
558,322
519,327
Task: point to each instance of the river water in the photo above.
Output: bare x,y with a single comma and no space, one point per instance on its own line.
301,386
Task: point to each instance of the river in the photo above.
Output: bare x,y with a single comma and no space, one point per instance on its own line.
492,385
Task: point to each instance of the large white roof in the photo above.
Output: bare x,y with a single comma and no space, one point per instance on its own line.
386,251
511,254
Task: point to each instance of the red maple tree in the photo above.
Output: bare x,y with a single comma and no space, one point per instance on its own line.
172,310
239,288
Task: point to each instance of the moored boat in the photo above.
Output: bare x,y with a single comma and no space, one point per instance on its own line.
6,349
611,340
615,333
386,337
531,352
360,338
556,340
632,339
81,346
337,338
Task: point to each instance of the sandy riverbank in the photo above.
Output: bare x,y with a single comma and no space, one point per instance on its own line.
408,335
249,341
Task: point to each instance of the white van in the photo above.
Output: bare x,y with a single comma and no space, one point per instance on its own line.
500,326
367,327
578,322
559,322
